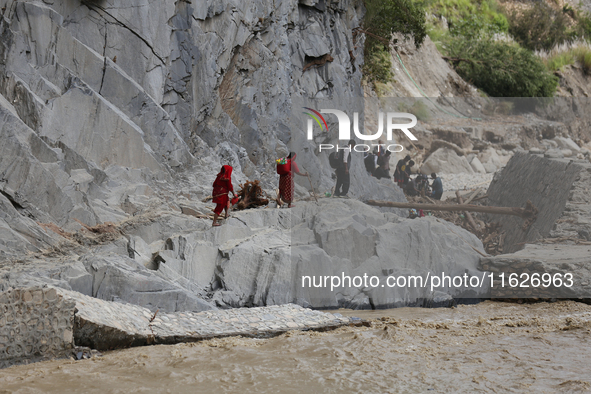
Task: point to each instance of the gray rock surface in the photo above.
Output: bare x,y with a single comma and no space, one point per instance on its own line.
567,143
102,105
558,188
124,113
263,255
107,325
490,160
562,270
477,166
447,161
259,257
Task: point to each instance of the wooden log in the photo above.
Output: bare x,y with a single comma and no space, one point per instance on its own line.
481,198
529,212
468,214
471,196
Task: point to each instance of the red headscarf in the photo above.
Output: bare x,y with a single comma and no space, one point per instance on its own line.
222,185
226,171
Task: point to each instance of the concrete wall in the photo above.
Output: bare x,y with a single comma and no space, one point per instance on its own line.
547,183
35,323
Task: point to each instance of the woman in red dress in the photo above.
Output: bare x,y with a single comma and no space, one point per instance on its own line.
286,185
221,187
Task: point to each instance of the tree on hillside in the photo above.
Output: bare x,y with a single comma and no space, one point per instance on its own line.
384,18
501,69
540,27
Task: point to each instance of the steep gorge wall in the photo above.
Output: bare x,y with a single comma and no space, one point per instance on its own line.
184,76
106,107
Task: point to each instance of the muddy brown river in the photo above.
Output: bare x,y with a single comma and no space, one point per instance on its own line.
490,347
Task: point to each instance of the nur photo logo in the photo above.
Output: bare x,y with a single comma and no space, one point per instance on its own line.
391,120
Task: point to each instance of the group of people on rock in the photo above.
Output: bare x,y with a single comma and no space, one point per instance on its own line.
377,164
223,185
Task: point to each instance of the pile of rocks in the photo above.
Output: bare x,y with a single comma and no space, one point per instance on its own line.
560,147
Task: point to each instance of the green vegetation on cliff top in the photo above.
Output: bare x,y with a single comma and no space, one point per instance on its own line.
489,45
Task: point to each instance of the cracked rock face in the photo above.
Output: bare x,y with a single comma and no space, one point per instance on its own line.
123,112
139,93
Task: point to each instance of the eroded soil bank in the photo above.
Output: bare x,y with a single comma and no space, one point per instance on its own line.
491,347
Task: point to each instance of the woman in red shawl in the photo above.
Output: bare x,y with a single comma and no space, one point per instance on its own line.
286,186
221,186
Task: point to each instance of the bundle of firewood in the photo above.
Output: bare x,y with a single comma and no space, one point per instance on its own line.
251,196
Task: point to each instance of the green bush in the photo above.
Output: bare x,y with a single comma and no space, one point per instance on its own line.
378,66
501,69
497,67
458,11
383,18
476,26
586,62
584,26
578,54
420,110
540,27
558,61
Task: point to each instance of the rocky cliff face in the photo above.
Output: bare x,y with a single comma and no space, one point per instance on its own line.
180,77
123,113
101,99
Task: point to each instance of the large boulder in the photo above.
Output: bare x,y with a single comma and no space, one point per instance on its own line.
445,160
341,238
477,165
567,143
558,188
490,159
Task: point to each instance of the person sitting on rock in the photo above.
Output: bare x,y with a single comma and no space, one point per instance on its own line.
411,188
399,171
383,170
436,187
221,187
422,182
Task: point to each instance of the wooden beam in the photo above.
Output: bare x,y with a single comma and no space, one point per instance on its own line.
468,215
471,196
528,212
